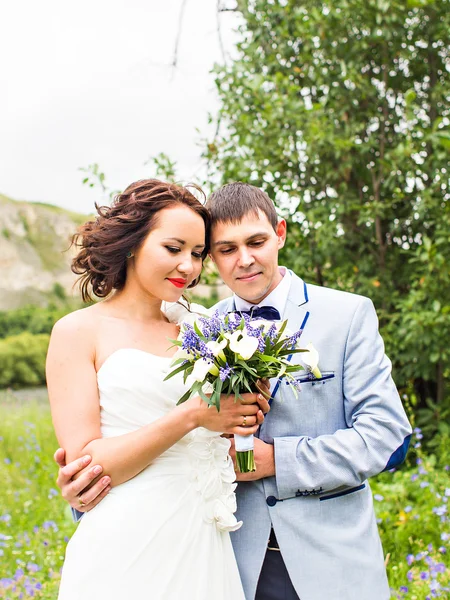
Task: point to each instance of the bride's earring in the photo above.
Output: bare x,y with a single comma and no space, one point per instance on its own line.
130,254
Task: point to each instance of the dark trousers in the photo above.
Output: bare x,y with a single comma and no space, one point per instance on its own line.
274,582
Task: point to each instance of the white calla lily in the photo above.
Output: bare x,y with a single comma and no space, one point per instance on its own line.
217,348
202,367
243,344
311,360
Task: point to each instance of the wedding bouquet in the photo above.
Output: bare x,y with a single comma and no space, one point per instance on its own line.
227,354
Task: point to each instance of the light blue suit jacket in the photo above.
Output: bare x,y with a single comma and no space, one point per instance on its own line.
339,431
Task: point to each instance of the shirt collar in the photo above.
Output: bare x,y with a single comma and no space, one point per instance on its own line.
277,297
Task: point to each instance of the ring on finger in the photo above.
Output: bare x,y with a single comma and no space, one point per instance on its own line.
81,503
244,422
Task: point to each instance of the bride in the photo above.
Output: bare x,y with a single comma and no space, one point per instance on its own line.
163,530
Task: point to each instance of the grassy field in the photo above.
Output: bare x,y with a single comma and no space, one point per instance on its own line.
35,524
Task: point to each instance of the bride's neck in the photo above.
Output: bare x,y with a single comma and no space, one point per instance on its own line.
136,306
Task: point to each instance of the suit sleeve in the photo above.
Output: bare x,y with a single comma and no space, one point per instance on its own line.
76,515
378,431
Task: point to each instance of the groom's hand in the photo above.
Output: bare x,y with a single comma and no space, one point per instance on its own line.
79,490
264,460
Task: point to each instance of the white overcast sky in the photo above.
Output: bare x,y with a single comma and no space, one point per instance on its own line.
90,81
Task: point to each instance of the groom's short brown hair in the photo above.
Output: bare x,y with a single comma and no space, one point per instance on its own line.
231,202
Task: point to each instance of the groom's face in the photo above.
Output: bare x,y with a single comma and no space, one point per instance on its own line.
246,254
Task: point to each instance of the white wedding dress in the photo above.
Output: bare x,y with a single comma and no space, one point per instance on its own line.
163,535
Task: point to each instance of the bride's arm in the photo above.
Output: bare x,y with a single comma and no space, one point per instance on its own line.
73,394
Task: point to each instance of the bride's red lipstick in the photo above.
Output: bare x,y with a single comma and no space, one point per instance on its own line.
179,283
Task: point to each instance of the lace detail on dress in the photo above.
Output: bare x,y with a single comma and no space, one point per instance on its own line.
213,477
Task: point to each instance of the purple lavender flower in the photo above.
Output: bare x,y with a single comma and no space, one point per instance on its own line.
191,340
225,372
272,332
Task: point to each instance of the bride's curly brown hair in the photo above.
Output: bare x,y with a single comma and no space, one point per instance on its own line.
106,242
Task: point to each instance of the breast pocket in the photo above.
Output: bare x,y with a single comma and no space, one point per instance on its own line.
309,379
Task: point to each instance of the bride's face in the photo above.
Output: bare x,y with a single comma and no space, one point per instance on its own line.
170,257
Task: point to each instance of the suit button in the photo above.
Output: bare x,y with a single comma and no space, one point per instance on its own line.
271,500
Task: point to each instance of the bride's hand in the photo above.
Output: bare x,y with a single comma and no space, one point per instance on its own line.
240,417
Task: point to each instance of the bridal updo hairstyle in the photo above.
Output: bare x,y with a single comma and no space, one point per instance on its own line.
106,243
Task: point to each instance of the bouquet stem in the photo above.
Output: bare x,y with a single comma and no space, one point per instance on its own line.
245,461
245,458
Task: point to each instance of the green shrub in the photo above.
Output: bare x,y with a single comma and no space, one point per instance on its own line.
22,360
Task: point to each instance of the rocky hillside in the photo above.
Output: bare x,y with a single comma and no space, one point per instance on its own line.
34,261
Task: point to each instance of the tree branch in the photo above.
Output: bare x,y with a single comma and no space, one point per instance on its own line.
219,32
177,39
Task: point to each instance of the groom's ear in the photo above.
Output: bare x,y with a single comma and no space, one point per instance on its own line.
211,257
281,233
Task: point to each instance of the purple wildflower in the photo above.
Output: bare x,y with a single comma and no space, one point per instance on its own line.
225,372
190,340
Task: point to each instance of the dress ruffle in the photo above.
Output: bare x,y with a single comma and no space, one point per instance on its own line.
213,477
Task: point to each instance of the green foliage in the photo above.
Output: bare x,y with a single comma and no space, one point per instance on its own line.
34,319
34,520
165,167
411,506
22,360
340,111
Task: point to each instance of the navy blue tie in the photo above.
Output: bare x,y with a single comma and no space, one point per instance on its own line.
262,312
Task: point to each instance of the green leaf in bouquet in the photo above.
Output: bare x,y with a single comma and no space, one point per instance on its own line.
268,359
184,397
215,396
281,330
179,361
204,397
199,332
244,365
179,369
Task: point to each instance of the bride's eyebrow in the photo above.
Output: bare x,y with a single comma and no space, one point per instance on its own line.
182,242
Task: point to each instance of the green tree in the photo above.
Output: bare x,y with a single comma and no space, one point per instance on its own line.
22,360
340,111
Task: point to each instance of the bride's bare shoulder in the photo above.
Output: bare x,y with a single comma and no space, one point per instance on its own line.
83,320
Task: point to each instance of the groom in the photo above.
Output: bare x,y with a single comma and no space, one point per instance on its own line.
309,527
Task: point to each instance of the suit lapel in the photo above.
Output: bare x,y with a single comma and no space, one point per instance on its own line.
296,309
